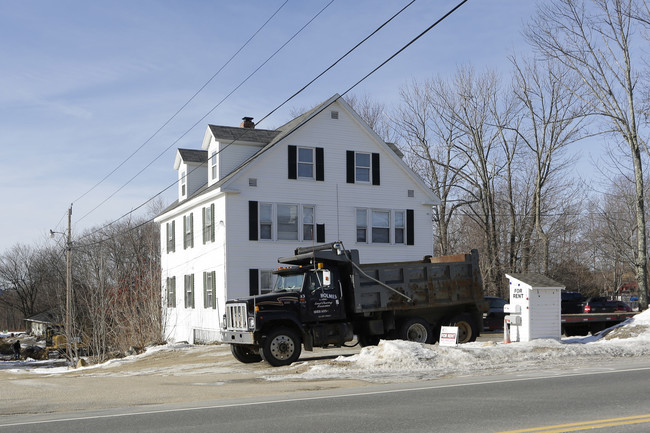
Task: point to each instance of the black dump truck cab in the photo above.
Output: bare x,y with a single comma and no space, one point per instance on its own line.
324,297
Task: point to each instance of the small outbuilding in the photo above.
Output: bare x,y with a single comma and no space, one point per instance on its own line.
37,324
535,307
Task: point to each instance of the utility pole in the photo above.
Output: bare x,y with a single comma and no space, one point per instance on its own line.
68,286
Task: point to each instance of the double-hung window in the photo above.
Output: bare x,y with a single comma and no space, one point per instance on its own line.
362,167
183,184
208,224
400,224
306,162
307,223
213,165
287,222
209,290
266,221
380,227
171,236
189,291
171,292
362,225
188,231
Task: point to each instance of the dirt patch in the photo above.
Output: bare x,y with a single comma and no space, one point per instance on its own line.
194,373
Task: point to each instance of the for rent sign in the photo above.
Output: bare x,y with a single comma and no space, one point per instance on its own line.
448,336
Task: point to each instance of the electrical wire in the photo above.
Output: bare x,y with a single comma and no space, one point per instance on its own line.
206,114
314,114
184,105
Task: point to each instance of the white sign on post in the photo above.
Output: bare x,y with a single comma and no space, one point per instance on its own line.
448,336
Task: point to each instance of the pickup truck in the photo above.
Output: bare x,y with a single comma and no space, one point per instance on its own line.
583,316
324,297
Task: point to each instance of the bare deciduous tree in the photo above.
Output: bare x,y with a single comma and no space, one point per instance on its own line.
594,40
426,124
551,120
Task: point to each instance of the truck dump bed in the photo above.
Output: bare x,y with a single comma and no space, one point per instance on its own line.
435,282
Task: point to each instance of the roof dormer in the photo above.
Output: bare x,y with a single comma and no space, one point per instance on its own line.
228,147
190,165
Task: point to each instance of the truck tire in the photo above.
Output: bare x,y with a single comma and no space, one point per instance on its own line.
281,346
244,354
416,329
467,329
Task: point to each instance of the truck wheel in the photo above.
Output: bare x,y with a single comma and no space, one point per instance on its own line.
281,347
244,354
416,329
467,329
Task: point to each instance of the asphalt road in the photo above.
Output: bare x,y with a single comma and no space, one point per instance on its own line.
616,392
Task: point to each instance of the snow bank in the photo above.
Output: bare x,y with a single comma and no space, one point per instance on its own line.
403,360
394,360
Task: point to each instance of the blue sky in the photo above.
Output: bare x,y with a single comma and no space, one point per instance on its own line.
84,84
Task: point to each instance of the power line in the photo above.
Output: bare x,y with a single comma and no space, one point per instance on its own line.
185,104
208,113
323,108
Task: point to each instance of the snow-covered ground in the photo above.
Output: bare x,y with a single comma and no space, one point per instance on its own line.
398,360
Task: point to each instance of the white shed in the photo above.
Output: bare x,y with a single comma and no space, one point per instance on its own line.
535,307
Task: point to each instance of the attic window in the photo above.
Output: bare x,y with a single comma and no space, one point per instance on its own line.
411,193
334,114
252,181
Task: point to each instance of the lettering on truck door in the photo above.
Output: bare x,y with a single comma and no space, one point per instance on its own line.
322,301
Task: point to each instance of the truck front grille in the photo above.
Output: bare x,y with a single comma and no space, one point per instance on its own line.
236,317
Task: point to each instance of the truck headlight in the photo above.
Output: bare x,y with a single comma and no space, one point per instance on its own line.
224,322
251,322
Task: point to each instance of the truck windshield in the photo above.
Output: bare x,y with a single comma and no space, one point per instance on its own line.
290,282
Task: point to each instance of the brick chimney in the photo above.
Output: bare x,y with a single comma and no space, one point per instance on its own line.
247,123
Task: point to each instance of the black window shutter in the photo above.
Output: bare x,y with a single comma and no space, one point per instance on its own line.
184,230
320,233
203,219
320,164
214,289
252,221
349,157
173,246
293,164
254,281
212,222
205,290
375,169
410,233
192,230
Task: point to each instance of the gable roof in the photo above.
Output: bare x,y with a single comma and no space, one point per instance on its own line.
536,280
49,316
193,155
241,134
250,135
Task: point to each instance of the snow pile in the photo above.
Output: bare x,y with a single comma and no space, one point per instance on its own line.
390,361
402,360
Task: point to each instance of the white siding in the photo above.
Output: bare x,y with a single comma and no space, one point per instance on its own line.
231,156
232,254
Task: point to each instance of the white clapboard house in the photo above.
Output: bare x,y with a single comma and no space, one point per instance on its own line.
252,195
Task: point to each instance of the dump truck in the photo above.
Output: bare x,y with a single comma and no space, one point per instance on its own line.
324,297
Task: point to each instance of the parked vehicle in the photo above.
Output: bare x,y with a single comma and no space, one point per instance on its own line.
620,306
327,297
597,314
572,302
598,304
493,318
